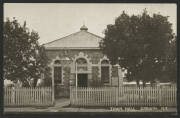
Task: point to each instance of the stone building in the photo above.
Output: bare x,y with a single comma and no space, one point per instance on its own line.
77,60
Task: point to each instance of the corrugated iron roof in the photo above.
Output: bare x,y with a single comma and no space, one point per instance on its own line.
81,39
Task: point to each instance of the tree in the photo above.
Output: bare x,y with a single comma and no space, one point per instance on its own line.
139,44
24,58
169,72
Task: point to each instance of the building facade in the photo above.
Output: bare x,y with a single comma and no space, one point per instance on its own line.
76,60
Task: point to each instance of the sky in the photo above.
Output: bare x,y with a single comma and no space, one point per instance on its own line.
55,20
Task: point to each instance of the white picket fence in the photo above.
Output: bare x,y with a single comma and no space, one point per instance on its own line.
123,96
40,96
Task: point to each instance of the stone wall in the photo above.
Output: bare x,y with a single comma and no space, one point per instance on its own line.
115,76
94,57
62,90
96,80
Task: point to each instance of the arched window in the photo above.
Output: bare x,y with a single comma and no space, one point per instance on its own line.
104,62
81,61
105,72
57,72
57,62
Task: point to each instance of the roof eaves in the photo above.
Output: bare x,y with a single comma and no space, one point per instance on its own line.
58,48
95,35
61,38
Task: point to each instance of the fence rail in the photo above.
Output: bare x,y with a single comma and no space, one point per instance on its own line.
40,96
123,96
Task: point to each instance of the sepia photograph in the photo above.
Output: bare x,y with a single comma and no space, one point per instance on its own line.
90,57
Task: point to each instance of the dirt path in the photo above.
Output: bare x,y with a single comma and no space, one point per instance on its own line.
62,105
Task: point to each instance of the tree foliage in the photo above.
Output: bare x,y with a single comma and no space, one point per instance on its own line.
24,58
139,43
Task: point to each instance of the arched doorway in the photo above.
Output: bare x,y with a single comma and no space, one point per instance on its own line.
82,75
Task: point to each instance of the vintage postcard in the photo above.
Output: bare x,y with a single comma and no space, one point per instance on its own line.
90,57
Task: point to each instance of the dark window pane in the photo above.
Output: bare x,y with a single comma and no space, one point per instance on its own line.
57,75
105,74
105,62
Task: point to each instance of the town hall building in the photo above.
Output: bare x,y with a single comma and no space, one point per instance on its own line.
76,60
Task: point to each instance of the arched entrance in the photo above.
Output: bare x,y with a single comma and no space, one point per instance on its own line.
82,75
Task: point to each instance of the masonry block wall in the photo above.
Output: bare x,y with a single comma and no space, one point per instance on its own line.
94,58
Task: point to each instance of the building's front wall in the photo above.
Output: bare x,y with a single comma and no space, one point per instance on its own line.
68,59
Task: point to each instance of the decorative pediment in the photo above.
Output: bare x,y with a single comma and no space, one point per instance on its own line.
53,60
57,58
103,58
81,55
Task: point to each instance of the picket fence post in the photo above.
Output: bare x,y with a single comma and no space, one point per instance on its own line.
123,96
27,96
